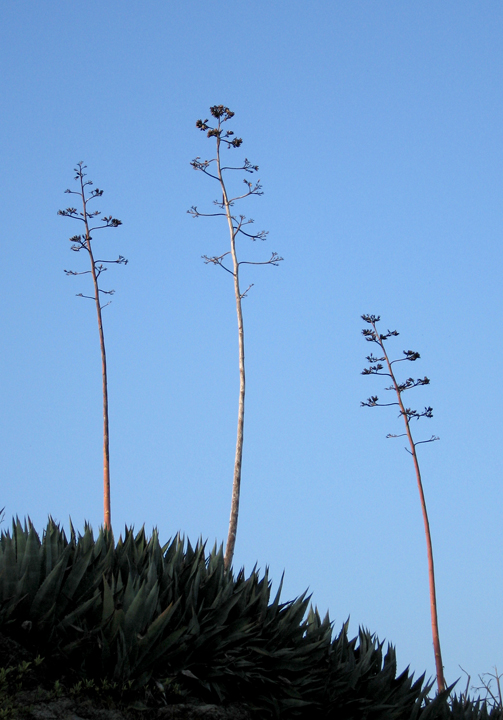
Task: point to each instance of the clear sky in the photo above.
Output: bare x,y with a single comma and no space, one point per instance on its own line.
377,126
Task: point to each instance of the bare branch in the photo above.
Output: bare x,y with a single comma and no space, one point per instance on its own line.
109,222
275,259
246,166
407,384
252,190
243,295
120,261
203,166
496,700
257,236
432,439
409,355
217,261
195,213
73,272
372,402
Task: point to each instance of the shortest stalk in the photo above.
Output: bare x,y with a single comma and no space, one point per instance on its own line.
377,368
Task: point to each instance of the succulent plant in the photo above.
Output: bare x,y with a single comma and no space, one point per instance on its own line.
171,614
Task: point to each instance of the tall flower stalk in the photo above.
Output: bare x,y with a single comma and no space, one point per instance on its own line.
236,224
376,367
83,242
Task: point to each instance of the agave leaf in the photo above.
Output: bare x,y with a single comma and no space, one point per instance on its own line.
8,570
194,628
319,628
295,703
151,576
154,553
80,611
86,541
19,537
113,625
239,636
140,611
118,588
77,571
157,627
50,546
49,590
130,592
224,592
45,622
108,606
288,625
272,609
121,669
104,547
214,583
164,646
222,609
150,646
29,565
97,566
121,553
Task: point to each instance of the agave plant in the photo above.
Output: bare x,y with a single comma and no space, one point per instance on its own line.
140,611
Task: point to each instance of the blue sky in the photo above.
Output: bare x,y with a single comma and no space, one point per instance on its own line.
377,129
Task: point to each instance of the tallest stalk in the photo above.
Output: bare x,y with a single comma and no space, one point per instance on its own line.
236,223
236,483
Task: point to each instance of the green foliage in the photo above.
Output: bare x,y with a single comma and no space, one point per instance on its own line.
24,688
169,620
14,679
